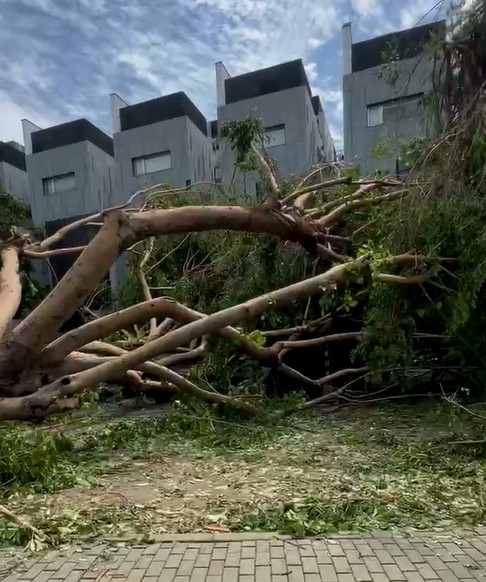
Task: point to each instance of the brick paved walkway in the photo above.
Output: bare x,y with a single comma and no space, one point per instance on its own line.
367,558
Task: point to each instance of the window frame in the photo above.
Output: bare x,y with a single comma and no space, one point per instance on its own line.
274,128
142,160
48,184
369,109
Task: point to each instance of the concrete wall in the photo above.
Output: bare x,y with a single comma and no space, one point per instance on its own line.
93,170
15,181
189,148
401,122
200,154
291,107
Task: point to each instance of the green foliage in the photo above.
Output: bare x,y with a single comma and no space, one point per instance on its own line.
35,458
242,135
14,213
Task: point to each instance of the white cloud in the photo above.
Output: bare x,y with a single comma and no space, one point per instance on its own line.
11,116
365,7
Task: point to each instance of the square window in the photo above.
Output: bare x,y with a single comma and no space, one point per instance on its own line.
375,115
152,163
60,183
274,136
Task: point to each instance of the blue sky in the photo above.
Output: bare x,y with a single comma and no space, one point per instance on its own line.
60,59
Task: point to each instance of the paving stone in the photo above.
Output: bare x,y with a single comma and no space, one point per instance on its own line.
342,565
368,558
427,572
63,571
262,558
360,572
219,553
247,566
277,552
185,567
216,568
262,573
460,570
436,563
202,561
144,562
135,576
247,552
373,565
199,575
413,577
230,574
335,550
173,561
393,572
384,557
296,574
310,565
167,575
328,573
404,563
278,566
323,557
155,568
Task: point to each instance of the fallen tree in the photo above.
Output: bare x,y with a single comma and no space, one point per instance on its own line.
43,371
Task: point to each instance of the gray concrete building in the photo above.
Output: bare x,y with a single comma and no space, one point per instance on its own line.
385,80
296,131
13,175
161,141
71,173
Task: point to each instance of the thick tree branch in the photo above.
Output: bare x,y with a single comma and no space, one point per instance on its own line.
10,287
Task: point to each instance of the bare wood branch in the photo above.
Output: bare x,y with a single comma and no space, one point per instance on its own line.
20,522
32,254
336,214
339,374
10,287
267,172
62,232
73,384
321,340
313,187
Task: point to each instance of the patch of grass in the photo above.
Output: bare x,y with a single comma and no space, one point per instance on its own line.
359,469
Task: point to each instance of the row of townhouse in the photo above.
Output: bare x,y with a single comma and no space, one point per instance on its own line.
75,169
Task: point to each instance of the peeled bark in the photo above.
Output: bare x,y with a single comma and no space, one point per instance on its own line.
10,287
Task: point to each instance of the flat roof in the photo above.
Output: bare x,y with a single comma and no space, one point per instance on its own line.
162,109
403,44
12,155
264,81
69,133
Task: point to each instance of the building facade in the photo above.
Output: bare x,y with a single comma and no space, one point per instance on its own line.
71,173
296,137
13,175
161,141
386,81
